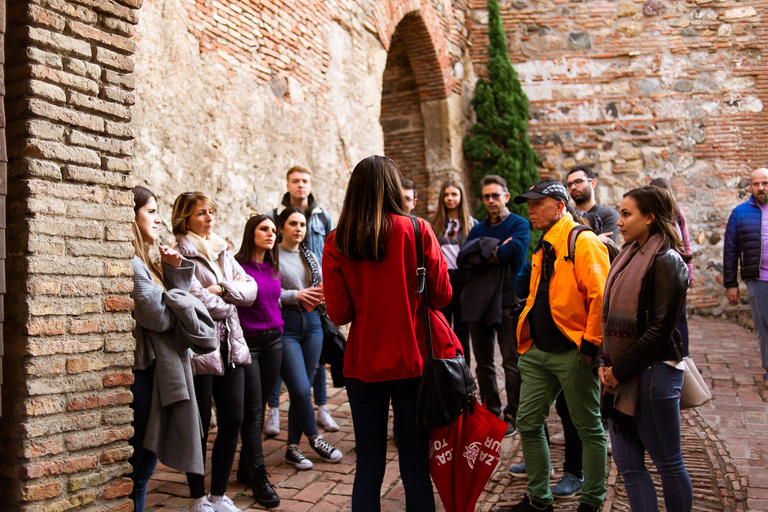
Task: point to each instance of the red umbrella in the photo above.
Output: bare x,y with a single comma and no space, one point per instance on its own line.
463,456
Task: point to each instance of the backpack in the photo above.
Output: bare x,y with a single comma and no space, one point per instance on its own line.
573,235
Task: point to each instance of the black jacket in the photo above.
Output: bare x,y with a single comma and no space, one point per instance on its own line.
481,299
661,302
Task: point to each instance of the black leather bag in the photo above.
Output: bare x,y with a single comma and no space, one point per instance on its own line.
334,345
447,387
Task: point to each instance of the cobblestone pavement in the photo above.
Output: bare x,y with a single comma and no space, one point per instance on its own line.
724,445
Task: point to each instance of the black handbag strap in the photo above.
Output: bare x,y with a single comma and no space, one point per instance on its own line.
421,274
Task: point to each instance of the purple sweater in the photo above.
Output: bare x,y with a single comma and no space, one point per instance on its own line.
264,314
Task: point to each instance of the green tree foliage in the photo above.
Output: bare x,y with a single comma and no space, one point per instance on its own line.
499,142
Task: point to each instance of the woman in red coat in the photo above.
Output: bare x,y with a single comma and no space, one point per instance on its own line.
369,266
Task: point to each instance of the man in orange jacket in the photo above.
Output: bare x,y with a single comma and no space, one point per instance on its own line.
559,333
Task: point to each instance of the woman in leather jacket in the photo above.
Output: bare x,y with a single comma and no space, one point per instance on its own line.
642,364
221,284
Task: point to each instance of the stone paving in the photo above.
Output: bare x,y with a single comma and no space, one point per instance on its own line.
724,445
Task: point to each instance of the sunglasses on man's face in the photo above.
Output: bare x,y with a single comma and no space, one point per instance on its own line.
495,196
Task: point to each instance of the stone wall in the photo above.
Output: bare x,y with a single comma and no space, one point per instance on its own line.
644,89
67,334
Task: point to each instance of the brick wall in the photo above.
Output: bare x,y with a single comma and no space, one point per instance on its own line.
68,342
639,90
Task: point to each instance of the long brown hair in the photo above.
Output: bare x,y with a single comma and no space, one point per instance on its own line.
141,197
248,247
184,207
661,182
373,194
659,203
438,220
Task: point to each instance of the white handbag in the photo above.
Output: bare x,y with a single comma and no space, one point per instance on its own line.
695,391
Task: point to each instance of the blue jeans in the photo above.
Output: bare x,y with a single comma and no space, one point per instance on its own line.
369,402
319,387
657,430
143,461
758,300
302,344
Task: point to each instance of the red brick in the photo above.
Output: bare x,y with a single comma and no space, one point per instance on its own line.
118,304
112,380
37,492
122,487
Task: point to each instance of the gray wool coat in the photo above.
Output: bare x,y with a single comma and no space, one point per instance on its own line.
169,326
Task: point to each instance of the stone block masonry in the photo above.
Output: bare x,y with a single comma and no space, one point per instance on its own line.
66,419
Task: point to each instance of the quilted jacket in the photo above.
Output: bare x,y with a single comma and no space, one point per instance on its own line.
743,245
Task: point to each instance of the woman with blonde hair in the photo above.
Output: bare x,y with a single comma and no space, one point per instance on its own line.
451,224
370,270
222,285
642,367
159,295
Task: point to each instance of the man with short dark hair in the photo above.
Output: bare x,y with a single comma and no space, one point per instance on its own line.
746,244
501,241
559,333
409,191
581,184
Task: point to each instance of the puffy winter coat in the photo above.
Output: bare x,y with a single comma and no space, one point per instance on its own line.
222,309
742,244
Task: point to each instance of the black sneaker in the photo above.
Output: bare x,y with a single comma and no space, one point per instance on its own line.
327,452
511,425
294,456
528,505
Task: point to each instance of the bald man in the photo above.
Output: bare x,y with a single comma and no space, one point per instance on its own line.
746,243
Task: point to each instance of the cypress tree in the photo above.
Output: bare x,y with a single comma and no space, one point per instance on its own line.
499,141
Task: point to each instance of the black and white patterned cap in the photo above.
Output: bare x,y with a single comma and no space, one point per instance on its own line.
542,189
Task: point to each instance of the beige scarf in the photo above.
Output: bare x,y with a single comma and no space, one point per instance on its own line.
210,250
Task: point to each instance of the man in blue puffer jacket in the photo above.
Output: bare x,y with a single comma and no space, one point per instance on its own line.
746,244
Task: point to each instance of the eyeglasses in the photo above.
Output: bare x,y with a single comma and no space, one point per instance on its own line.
577,182
496,196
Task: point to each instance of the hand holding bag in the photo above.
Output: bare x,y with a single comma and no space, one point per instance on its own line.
447,387
695,391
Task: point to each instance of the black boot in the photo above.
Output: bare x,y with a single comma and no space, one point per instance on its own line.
242,470
262,490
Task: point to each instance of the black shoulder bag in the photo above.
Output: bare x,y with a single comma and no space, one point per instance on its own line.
447,387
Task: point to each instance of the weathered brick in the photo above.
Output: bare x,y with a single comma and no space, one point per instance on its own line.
109,7
43,367
102,37
40,129
81,287
121,130
38,15
46,91
117,489
61,384
119,343
62,152
121,398
107,144
34,168
42,448
119,27
119,269
70,9
127,80
115,454
66,191
95,176
49,345
59,42
83,403
118,416
119,95
124,506
44,286
119,197
45,245
40,491
44,109
47,59
119,233
114,60
70,80
83,326
118,304
87,364
106,249
41,406
92,439
85,69
58,467
64,227
113,380
118,164
46,305
46,206
114,324
45,326
105,107
78,482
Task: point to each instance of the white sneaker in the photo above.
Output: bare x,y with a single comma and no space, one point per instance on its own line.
223,504
608,444
557,438
324,419
201,505
272,423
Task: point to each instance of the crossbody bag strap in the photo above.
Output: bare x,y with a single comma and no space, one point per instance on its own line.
421,274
